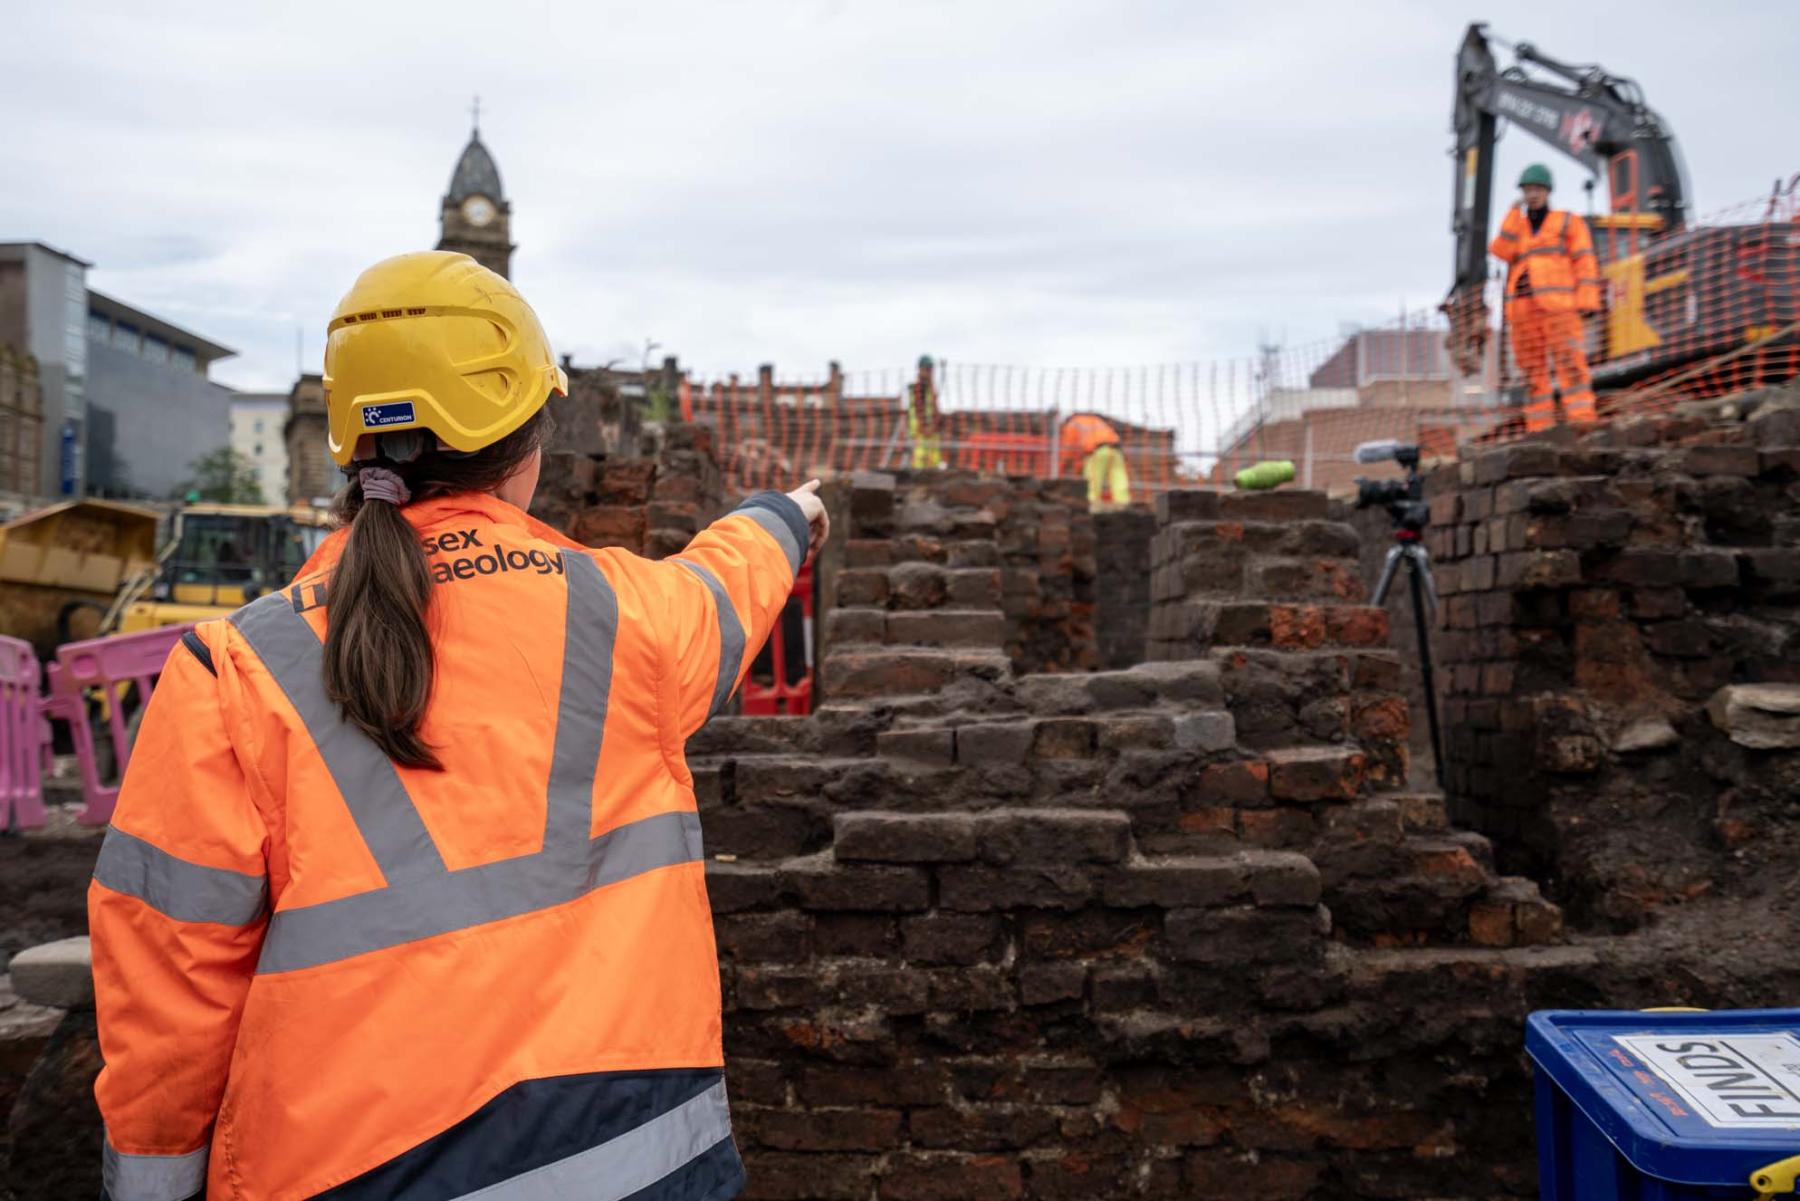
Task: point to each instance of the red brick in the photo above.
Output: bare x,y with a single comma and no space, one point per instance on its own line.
950,1176
1315,775
1357,625
1245,782
803,1176
1296,627
820,1129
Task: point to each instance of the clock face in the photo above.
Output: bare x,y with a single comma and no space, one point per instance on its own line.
479,210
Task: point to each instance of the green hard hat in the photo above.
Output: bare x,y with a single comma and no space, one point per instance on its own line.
924,360
1538,174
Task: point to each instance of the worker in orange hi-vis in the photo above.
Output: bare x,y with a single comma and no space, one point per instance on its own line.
1552,279
1091,445
404,896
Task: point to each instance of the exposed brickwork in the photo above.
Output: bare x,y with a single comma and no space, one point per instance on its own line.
1180,930
1048,935
651,503
1597,595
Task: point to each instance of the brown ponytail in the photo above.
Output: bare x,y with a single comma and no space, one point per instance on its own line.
379,660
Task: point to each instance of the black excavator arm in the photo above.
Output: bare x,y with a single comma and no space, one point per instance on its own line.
1600,120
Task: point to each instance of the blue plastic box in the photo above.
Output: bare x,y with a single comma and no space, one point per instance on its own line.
1664,1106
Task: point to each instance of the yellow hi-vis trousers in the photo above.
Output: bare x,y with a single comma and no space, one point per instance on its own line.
1105,473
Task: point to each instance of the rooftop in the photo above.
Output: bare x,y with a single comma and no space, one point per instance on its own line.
205,350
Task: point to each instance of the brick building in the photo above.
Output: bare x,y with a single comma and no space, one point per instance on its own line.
1378,384
311,475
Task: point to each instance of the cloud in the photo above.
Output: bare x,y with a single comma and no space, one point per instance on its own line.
1024,182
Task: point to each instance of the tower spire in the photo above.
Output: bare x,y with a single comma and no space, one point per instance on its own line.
475,117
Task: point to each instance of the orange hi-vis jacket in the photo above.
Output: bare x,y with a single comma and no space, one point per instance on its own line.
1082,435
1555,266
322,975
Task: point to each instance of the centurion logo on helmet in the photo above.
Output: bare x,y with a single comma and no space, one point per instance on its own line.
434,341
375,417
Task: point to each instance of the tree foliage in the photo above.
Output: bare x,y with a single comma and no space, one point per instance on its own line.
225,476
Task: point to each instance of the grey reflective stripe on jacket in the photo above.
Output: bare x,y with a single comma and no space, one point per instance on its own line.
424,898
152,1177
731,634
176,888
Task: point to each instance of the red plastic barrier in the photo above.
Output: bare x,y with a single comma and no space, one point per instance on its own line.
778,695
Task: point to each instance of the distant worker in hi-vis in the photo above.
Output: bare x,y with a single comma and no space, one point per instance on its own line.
924,421
404,896
1552,279
1090,445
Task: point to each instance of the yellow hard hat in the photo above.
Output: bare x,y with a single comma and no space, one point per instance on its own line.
434,341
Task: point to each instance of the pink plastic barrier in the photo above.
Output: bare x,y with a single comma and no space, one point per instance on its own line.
23,738
123,669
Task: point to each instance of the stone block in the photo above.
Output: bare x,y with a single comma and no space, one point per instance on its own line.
1758,716
947,627
924,748
1246,935
1062,738
950,938
1178,882
1538,569
980,889
1715,460
904,837
994,744
1050,836
1519,461
1278,505
59,974
1206,733
862,586
823,884
1189,505
845,625
1050,982
868,552
1282,878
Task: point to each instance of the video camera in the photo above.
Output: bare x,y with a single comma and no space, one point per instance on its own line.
1404,499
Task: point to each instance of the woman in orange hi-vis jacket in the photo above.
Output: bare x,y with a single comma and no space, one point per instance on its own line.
1552,279
404,895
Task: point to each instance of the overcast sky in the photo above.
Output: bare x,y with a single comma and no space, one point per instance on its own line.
1025,182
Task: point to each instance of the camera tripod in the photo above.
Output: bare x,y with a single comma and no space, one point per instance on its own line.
1408,548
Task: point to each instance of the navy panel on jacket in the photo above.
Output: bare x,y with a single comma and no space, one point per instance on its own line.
537,1122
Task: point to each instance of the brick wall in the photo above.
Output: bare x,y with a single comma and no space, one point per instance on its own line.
1122,585
1605,599
650,503
1168,931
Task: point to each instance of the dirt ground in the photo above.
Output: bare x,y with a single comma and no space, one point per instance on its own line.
43,883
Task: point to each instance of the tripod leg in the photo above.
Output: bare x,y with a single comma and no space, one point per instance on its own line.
1387,576
1422,563
1424,633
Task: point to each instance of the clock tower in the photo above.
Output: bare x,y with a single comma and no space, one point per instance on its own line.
476,218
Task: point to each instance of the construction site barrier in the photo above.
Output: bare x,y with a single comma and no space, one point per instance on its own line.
780,682
24,741
116,675
1696,313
